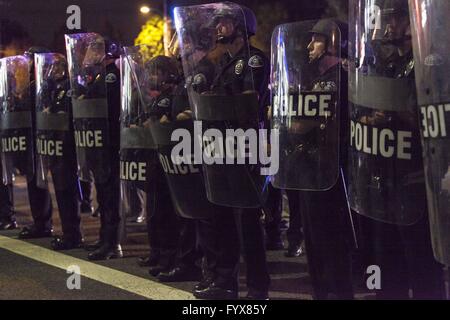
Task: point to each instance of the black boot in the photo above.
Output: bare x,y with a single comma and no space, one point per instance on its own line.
106,252
34,233
217,292
149,261
66,243
8,225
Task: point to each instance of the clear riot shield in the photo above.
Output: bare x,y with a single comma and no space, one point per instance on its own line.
55,147
85,55
385,164
305,95
224,102
430,27
137,149
15,118
170,120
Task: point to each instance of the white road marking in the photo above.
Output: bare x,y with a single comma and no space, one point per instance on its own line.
124,281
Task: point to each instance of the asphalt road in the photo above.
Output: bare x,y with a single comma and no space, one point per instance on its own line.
31,270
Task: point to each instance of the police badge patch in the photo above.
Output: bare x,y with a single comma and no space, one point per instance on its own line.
110,78
255,61
164,103
199,79
239,67
325,86
61,95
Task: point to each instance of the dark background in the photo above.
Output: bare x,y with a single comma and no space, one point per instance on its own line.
43,22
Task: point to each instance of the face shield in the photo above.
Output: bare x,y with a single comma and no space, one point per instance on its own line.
393,29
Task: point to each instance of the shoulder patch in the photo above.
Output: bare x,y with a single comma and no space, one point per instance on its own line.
256,61
61,94
110,78
199,79
325,86
239,67
164,103
409,68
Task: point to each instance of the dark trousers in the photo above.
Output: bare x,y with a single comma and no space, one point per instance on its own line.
40,205
327,244
294,233
405,257
252,241
163,224
274,210
108,197
208,242
67,197
188,252
6,203
86,192
236,230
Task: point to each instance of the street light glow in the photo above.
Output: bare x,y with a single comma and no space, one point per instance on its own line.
145,9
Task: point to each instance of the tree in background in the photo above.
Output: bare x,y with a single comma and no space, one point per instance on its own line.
152,36
14,39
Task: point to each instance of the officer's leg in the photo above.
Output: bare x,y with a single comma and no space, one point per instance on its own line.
208,243
327,250
7,216
225,284
67,197
86,195
108,196
41,210
426,274
162,221
294,233
383,247
252,239
136,204
273,219
188,254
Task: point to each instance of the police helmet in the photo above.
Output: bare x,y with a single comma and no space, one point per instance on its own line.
325,27
35,49
166,66
113,49
248,24
394,7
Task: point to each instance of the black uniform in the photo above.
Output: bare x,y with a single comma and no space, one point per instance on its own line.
39,198
325,214
7,216
172,238
403,253
236,75
64,169
108,193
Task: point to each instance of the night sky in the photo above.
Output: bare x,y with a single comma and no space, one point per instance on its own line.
43,21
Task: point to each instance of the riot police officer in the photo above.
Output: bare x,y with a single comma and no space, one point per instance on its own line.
95,89
7,215
176,248
387,188
228,68
147,96
55,145
431,46
310,144
20,126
